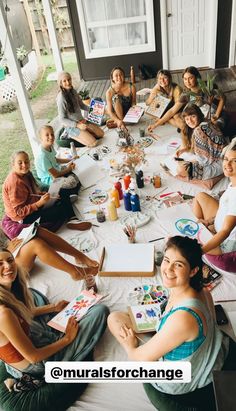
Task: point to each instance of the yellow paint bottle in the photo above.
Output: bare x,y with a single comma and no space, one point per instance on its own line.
112,212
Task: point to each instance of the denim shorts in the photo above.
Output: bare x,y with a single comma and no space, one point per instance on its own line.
70,132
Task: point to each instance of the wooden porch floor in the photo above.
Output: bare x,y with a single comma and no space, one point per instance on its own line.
225,79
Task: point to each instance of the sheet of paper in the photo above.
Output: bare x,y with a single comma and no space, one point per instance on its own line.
128,258
88,171
158,106
180,220
26,235
133,115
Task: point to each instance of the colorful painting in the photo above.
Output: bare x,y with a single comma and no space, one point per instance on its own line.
98,196
145,317
77,307
187,227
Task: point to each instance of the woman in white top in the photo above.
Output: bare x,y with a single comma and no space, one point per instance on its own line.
220,213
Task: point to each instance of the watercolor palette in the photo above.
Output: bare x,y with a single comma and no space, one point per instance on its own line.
145,142
98,196
148,294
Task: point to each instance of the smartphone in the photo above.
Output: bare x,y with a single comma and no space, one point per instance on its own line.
221,317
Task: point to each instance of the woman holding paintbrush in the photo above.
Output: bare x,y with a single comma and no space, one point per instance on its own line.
187,331
24,203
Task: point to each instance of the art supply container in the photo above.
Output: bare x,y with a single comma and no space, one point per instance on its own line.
141,132
127,203
139,178
126,180
112,213
73,150
101,216
118,186
135,203
158,257
156,181
114,195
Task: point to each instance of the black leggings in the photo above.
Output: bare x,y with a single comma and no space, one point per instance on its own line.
61,211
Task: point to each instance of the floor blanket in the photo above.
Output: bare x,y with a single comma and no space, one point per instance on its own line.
58,285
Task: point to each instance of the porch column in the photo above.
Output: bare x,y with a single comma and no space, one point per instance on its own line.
15,70
52,35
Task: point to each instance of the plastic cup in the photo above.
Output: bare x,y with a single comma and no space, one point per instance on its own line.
142,132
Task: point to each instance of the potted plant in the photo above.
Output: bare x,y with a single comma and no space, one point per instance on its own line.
21,54
84,94
210,92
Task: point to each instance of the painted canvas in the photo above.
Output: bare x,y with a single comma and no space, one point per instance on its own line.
145,318
77,307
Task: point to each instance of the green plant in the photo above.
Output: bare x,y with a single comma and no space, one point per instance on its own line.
21,53
84,94
209,92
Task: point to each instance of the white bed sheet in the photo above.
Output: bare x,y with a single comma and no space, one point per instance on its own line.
57,285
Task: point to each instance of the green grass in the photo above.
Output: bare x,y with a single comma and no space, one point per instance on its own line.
14,139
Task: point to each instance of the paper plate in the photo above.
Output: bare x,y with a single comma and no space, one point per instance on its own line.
138,219
83,244
145,141
98,197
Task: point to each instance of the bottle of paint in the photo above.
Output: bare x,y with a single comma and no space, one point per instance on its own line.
73,150
112,212
132,185
114,195
135,203
126,180
118,186
139,178
127,203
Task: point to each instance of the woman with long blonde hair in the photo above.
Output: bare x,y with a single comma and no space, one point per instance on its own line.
25,344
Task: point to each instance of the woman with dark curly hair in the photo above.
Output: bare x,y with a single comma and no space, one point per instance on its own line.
187,330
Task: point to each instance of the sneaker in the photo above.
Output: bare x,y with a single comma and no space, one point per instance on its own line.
73,198
75,224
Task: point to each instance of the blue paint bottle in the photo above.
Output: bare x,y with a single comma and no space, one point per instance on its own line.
135,204
127,203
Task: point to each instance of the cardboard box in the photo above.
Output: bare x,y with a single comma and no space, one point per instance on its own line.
127,260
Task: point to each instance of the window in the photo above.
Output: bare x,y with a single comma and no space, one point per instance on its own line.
115,27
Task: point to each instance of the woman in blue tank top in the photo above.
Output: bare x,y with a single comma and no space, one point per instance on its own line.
187,330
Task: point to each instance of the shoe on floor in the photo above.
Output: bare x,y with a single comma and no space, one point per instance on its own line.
75,224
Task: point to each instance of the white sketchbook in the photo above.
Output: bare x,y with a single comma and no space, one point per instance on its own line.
87,170
78,307
26,235
133,115
158,106
128,258
172,164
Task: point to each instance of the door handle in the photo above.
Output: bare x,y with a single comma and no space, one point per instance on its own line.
169,15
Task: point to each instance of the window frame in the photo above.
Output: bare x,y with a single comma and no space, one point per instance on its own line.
121,50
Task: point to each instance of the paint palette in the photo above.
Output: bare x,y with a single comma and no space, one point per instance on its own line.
148,294
83,244
145,142
98,196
